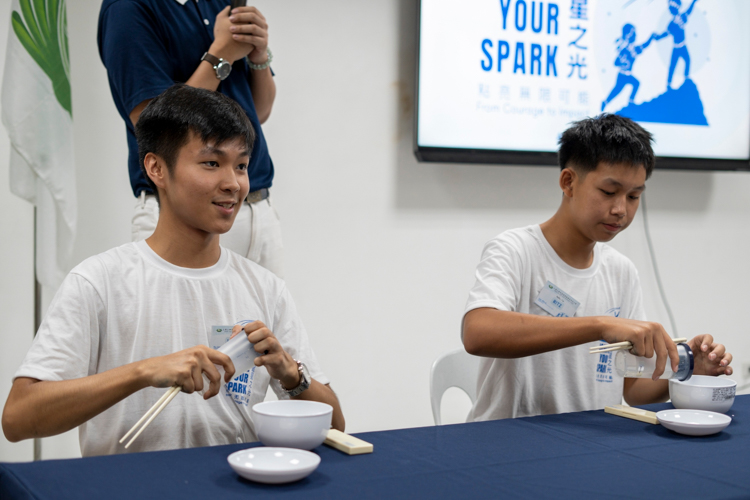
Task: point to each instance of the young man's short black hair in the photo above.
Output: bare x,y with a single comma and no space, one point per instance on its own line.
606,138
165,125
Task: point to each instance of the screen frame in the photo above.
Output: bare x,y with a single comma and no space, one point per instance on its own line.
433,154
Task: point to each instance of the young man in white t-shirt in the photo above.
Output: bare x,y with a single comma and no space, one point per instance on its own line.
130,322
535,352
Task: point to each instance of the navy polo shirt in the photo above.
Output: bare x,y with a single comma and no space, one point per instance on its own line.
149,45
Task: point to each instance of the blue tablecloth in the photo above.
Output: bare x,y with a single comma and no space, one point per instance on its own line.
575,455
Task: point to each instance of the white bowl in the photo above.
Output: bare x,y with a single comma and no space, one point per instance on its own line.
292,424
693,422
701,392
273,465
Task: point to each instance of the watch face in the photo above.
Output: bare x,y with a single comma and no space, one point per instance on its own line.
223,69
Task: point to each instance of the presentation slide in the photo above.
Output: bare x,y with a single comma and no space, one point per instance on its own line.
513,74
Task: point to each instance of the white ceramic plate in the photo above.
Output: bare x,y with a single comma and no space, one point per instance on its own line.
693,422
273,465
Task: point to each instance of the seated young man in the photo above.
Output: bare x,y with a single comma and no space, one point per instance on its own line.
130,322
536,362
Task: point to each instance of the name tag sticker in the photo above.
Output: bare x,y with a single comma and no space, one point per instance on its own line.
220,335
556,302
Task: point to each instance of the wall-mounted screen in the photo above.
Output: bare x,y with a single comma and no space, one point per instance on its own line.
500,80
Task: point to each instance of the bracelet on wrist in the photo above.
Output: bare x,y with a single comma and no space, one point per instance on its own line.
258,67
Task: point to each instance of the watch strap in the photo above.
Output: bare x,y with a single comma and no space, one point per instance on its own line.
222,67
304,381
211,59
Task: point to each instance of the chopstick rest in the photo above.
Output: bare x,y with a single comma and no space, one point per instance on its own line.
635,413
346,443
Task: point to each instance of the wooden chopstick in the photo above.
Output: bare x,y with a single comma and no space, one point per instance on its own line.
156,409
610,349
174,391
618,346
146,415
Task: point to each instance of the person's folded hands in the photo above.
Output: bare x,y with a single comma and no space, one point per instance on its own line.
249,26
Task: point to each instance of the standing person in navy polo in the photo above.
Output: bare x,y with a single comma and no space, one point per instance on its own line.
147,46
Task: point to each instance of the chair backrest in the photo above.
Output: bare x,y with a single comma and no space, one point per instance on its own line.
453,369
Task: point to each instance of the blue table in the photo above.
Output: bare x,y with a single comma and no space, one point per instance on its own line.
575,455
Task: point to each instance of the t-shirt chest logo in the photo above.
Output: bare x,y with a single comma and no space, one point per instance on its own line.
615,311
606,359
240,388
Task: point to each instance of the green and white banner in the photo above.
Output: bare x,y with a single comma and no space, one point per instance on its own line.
37,113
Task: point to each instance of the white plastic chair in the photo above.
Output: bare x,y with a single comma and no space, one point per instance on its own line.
453,369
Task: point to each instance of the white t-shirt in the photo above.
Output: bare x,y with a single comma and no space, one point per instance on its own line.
129,304
515,266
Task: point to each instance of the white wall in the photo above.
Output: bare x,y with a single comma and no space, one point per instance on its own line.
380,249
16,272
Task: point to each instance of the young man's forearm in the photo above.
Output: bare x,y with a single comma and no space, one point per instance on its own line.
44,408
203,77
324,394
263,89
504,334
645,391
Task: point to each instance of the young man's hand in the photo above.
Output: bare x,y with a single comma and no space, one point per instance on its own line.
277,361
648,339
250,27
710,358
185,368
225,44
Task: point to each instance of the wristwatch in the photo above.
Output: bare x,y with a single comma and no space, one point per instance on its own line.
304,380
222,67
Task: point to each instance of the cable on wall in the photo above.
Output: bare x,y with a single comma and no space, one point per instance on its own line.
656,267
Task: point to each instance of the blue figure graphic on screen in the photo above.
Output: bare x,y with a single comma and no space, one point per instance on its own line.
681,105
627,52
676,28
